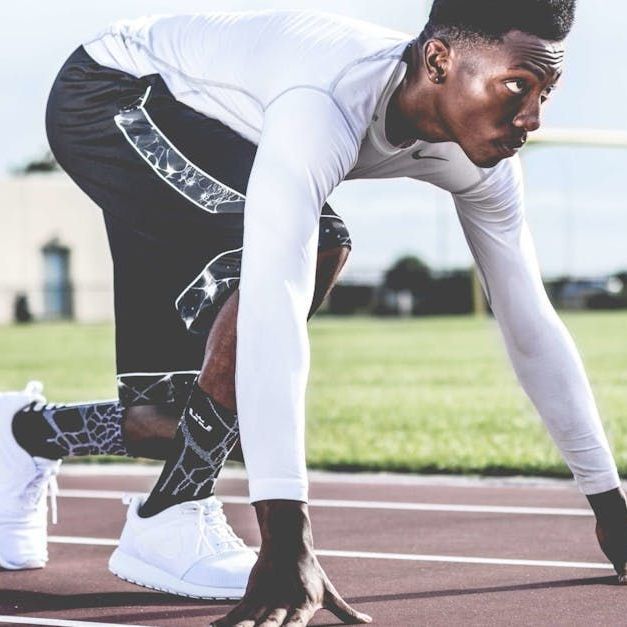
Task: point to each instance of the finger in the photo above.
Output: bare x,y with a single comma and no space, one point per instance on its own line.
242,611
336,604
301,616
252,617
275,617
620,566
240,623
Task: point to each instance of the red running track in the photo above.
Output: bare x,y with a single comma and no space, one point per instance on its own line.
407,551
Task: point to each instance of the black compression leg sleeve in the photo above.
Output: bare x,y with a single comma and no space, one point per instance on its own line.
206,434
56,431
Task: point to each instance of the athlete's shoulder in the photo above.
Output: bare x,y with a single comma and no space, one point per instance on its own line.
319,45
348,59
349,42
335,29
330,29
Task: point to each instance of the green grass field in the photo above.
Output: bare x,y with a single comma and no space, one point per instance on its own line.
427,394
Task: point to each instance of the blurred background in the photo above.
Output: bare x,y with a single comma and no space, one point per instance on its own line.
409,267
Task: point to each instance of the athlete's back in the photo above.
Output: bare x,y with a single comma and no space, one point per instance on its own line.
232,65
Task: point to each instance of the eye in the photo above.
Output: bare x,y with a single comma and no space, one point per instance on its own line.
518,86
547,93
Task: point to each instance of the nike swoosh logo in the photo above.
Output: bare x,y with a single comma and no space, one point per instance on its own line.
417,155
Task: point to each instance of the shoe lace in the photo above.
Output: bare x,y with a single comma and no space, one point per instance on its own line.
45,479
210,520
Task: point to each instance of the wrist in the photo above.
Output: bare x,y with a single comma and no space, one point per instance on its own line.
284,526
609,506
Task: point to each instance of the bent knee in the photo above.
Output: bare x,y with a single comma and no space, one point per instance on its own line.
333,233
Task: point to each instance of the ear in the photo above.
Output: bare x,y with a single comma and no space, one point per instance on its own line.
437,60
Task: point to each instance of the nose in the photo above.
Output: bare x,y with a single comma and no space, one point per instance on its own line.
528,117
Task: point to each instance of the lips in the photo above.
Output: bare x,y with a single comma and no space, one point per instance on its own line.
511,146
515,143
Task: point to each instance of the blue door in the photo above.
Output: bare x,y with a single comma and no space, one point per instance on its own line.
57,285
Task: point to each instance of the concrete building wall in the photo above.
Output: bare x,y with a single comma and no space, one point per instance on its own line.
38,210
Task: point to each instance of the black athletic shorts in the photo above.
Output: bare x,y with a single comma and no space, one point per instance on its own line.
171,183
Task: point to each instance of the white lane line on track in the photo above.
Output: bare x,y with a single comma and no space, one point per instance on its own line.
236,472
387,505
406,557
83,540
28,620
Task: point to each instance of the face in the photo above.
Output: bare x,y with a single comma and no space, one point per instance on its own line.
491,96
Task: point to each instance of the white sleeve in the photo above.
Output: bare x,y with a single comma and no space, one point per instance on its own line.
542,351
306,149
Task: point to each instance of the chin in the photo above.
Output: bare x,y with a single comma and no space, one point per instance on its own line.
485,160
483,155
488,162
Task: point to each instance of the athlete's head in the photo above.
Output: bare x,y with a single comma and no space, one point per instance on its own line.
491,64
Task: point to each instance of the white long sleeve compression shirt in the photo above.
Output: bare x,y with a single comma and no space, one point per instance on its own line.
311,91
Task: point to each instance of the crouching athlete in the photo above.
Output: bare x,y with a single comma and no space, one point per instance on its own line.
171,183
322,99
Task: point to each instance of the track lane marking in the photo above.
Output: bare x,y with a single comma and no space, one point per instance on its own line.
237,473
407,557
387,505
28,620
83,540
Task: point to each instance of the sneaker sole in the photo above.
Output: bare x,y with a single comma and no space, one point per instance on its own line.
26,566
140,573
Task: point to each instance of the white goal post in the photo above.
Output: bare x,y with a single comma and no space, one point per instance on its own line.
596,138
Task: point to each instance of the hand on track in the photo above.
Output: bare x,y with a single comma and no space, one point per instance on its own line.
280,594
613,542
610,509
287,585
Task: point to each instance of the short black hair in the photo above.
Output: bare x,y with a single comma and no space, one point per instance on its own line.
489,20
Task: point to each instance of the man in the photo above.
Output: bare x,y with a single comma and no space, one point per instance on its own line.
326,99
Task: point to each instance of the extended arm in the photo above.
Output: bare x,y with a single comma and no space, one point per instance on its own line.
542,352
305,151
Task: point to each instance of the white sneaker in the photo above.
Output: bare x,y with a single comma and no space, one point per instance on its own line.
188,549
24,483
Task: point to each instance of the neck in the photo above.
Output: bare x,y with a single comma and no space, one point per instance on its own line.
413,112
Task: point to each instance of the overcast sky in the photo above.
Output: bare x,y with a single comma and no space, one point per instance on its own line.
38,35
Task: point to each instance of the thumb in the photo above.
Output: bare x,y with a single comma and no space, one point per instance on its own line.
336,604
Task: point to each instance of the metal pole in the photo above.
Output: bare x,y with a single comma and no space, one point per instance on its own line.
478,299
